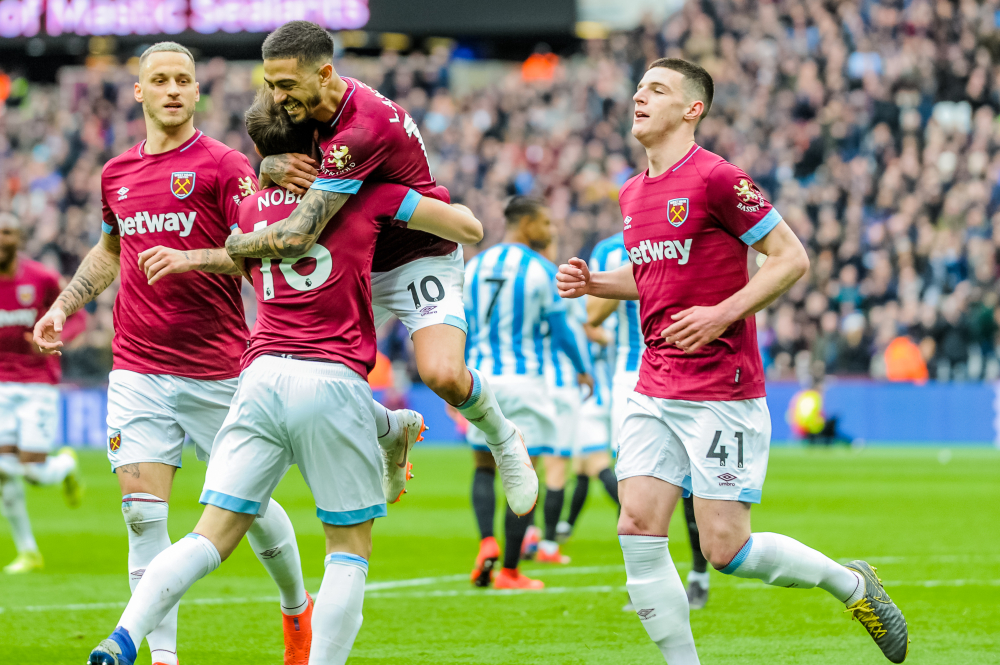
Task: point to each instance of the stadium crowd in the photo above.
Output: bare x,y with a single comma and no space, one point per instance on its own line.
873,127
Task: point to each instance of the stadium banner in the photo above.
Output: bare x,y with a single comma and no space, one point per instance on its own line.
122,18
879,413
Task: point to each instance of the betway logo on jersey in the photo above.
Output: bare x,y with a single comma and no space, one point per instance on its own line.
143,222
647,252
18,317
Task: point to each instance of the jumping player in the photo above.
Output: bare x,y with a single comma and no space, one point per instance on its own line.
512,307
177,343
416,276
302,399
610,254
697,421
29,399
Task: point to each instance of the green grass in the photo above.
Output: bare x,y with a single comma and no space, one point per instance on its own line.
930,527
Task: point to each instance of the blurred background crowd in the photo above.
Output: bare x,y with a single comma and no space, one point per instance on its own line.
872,126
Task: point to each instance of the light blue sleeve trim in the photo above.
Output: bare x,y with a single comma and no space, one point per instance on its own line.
347,559
738,559
351,517
452,320
337,186
107,228
749,495
234,227
761,228
231,503
408,205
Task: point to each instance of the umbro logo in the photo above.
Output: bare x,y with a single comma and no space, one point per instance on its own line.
628,223
727,477
271,553
646,613
123,193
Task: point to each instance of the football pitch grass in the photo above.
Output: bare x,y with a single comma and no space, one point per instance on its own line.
926,518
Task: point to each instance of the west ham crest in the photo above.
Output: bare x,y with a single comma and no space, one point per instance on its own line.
115,440
25,294
182,183
677,211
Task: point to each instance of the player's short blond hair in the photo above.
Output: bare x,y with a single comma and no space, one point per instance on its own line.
164,47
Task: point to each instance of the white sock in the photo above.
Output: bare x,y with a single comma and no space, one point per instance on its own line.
483,412
785,562
146,521
386,425
272,538
165,581
51,471
15,509
337,617
700,578
10,465
658,595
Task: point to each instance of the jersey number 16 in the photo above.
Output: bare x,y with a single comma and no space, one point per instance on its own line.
324,266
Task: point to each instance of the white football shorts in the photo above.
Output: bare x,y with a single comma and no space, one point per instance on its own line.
567,403
622,386
317,415
525,400
423,292
593,433
714,450
149,414
29,414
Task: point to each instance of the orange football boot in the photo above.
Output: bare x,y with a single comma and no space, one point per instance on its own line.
486,561
298,635
546,554
511,578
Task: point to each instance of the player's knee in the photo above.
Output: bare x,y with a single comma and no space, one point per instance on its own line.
450,381
718,550
635,521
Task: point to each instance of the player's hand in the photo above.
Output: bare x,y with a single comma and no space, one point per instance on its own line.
585,379
598,334
293,171
159,261
695,327
573,279
47,331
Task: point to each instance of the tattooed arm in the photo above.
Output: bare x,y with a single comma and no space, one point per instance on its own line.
290,237
293,171
160,261
98,269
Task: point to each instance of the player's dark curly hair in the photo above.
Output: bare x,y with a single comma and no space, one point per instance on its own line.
303,40
520,207
272,131
698,82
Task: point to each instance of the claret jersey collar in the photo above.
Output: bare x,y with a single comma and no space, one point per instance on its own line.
179,149
684,160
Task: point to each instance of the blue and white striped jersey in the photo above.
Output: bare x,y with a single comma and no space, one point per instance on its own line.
559,369
510,296
609,254
601,356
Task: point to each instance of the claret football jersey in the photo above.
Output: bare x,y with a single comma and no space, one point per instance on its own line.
371,138
319,305
188,324
686,234
24,298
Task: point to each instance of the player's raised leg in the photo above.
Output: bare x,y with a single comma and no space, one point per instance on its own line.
440,354
785,562
168,578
